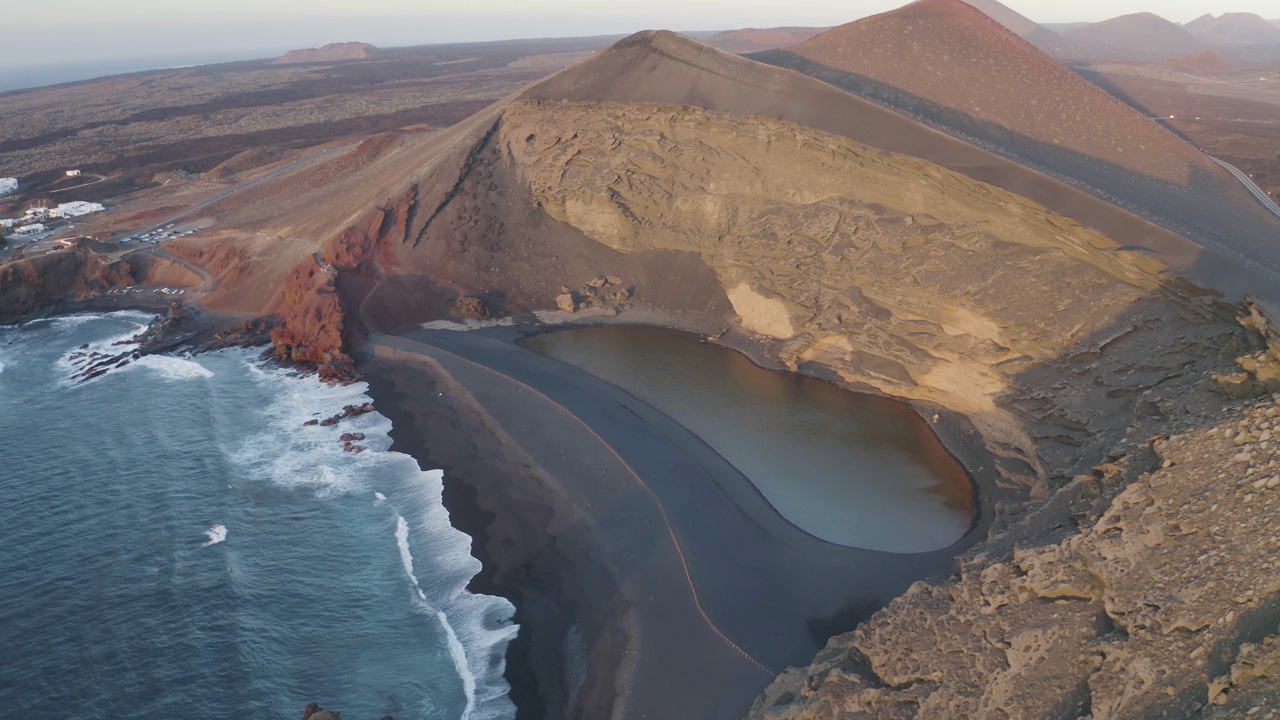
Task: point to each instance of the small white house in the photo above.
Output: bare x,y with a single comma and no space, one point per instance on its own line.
76,209
8,185
73,173
32,229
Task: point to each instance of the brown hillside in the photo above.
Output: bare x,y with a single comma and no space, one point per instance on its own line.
963,60
1143,35
750,40
329,53
1231,29
1201,63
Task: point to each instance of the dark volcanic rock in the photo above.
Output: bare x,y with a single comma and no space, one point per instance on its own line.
315,712
250,333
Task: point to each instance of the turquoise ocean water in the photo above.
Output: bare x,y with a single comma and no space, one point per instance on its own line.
173,541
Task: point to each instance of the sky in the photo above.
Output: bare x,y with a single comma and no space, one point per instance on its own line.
73,31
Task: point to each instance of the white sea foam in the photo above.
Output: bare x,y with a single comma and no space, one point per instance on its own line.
289,454
1,367
480,625
68,322
456,651
173,368
216,534
74,361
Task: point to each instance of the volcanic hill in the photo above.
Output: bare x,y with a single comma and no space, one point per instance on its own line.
965,61
1143,37
700,177
329,53
1201,63
982,83
1231,29
749,40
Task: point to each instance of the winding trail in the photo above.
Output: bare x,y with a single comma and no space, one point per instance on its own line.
101,178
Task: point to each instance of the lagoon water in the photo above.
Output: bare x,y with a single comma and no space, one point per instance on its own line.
174,541
849,468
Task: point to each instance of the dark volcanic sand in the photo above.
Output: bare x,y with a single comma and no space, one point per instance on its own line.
539,459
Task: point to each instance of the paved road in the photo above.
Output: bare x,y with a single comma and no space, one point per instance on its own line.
81,185
1249,185
206,278
243,186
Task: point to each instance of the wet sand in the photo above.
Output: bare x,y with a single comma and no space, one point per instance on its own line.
651,579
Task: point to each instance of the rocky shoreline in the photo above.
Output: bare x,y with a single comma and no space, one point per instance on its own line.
1147,587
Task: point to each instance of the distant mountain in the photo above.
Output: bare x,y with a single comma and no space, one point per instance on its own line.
1231,29
1042,37
329,53
1201,63
1138,37
1019,24
1065,27
749,40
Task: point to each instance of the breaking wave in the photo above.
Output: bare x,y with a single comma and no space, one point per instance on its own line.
477,628
174,368
216,534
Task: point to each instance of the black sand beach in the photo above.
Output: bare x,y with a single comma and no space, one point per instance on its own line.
651,579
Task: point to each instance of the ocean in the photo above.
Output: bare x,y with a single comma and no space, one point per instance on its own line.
174,540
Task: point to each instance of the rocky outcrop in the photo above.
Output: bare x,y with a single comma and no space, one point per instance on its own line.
348,411
315,712
250,333
607,293
165,331
1259,372
471,308
312,324
1164,604
28,286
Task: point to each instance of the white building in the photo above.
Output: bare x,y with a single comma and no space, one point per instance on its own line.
8,185
73,173
76,209
32,229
